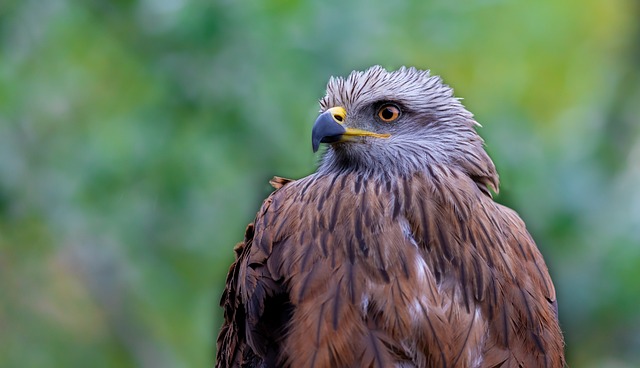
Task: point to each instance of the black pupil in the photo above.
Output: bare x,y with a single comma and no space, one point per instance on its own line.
387,113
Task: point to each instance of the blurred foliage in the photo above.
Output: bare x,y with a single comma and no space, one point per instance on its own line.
137,138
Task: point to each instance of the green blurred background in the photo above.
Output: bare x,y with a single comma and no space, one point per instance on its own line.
137,138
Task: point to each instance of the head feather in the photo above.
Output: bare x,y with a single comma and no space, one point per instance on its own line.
438,131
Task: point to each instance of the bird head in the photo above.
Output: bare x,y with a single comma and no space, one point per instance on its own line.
399,121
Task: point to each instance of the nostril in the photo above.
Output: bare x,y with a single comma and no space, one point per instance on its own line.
338,117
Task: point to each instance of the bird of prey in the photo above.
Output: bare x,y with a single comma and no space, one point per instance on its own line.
393,253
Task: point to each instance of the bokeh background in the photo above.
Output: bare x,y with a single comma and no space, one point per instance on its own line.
137,138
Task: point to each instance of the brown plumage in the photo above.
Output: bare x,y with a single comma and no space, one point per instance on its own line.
393,254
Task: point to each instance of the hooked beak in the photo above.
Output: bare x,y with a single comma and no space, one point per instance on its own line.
330,128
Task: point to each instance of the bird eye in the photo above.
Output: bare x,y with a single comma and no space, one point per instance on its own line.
389,113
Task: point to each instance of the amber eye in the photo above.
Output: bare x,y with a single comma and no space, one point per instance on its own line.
389,113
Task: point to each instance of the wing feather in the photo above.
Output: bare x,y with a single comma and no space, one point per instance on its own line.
250,292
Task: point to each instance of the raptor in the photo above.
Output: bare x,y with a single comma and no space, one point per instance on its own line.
393,253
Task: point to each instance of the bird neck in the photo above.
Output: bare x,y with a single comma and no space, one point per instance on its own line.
477,165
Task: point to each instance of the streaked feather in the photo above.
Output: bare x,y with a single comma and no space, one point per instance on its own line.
385,259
